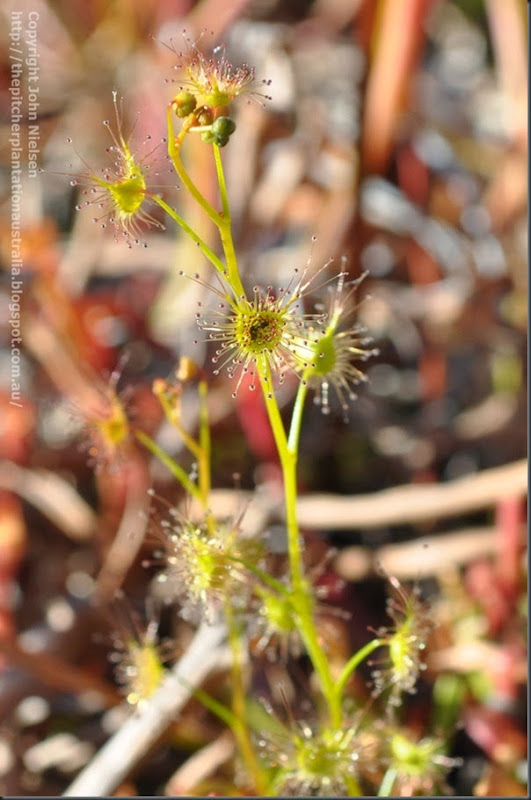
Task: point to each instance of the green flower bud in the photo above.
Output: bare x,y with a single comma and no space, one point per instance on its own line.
185,103
208,137
223,127
205,116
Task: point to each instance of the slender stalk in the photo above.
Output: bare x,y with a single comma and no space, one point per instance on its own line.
174,144
222,221
287,451
201,449
172,413
225,228
222,183
308,629
353,663
354,789
289,472
176,470
189,441
205,249
277,586
302,599
303,603
289,457
275,419
233,275
240,729
296,417
204,443
204,467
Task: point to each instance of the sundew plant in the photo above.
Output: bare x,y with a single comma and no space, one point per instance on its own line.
331,742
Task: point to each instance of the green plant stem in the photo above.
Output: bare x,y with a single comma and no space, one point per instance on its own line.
174,144
289,472
201,449
287,450
222,183
302,591
222,221
296,417
225,228
275,419
204,465
176,470
205,249
204,443
354,789
239,715
275,585
302,599
354,662
173,415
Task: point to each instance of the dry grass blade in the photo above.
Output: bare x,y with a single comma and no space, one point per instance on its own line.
398,41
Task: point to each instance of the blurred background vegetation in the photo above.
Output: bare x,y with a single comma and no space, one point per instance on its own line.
397,136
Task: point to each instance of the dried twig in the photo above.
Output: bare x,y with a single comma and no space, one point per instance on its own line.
120,754
131,531
415,503
200,765
53,496
428,555
411,504
55,671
